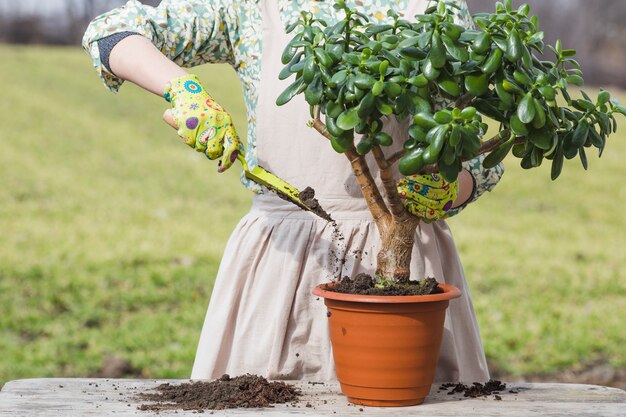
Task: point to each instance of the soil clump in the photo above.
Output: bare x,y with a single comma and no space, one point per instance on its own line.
308,201
307,196
476,390
364,284
245,391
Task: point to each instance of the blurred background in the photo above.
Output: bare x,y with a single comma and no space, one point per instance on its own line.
595,27
111,230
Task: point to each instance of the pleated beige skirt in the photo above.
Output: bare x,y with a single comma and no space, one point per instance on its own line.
262,318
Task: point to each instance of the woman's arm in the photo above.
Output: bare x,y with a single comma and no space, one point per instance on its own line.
466,189
148,46
187,32
137,60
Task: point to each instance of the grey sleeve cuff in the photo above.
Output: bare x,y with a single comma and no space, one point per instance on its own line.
106,45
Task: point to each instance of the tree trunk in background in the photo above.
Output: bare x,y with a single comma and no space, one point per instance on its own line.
594,28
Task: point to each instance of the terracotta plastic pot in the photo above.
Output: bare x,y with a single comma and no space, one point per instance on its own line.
386,348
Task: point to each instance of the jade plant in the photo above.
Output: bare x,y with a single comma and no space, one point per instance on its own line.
444,79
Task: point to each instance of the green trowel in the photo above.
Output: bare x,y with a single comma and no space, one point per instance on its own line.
265,178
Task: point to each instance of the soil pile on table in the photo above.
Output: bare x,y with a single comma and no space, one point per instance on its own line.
245,391
476,390
364,284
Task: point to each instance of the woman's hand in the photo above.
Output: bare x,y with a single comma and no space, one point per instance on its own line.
428,196
202,123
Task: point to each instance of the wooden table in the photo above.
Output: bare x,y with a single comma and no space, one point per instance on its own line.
114,397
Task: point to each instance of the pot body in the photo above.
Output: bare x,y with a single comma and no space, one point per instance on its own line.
386,348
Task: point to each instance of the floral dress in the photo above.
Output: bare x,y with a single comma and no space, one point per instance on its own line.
261,317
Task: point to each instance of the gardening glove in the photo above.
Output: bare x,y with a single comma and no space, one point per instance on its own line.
202,123
427,196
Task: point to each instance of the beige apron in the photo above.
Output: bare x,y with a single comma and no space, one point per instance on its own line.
262,318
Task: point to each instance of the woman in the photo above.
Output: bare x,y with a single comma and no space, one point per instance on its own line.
262,318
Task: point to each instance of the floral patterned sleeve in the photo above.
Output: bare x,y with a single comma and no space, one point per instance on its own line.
484,179
189,32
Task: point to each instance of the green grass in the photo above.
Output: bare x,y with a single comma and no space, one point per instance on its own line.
111,232
111,229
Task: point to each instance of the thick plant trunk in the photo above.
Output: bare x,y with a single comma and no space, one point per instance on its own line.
396,226
394,257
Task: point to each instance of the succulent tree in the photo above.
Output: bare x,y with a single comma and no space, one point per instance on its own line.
355,74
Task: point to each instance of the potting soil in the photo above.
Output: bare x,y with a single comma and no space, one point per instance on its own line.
307,196
364,284
245,391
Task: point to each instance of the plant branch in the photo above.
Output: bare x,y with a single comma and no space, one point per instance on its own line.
486,147
389,183
318,125
494,142
371,193
396,157
463,101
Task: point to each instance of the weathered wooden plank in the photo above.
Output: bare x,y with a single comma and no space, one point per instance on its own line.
115,397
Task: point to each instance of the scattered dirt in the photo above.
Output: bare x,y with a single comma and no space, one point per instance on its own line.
116,367
245,391
310,203
338,247
477,389
337,251
307,196
364,284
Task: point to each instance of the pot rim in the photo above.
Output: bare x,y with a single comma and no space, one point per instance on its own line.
449,292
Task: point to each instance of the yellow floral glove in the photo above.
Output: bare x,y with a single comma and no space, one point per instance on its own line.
427,196
202,123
